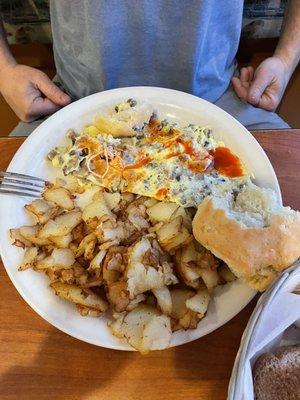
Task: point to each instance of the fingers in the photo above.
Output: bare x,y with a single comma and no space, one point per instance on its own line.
267,102
239,88
42,106
244,75
51,91
262,79
251,73
241,84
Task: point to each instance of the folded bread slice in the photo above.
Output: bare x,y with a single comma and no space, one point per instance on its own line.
251,232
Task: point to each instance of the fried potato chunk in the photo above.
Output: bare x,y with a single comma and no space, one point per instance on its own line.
96,210
18,240
173,235
79,296
29,258
59,196
164,299
183,317
199,302
43,210
61,225
32,234
142,277
144,328
58,259
162,211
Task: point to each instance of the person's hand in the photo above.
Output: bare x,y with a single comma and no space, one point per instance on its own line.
263,88
30,93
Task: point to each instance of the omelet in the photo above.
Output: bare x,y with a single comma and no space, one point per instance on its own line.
150,157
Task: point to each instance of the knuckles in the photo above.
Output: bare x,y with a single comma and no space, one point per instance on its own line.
26,114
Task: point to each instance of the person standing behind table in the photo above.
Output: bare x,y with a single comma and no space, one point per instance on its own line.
184,45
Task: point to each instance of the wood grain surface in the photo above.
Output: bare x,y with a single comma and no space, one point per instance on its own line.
38,362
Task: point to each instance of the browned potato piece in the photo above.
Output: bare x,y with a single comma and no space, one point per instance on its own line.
88,312
150,202
29,258
157,334
79,232
189,253
59,182
173,235
96,263
135,302
31,233
183,317
179,297
199,302
189,320
96,210
186,218
61,225
162,211
59,259
77,295
18,239
110,230
188,275
164,300
226,273
89,251
73,185
144,328
206,260
210,278
60,196
182,239
126,199
142,277
169,231
186,259
118,295
109,275
137,216
62,242
42,210
85,247
76,274
112,199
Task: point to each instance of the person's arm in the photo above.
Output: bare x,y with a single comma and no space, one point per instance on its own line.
6,58
265,87
28,91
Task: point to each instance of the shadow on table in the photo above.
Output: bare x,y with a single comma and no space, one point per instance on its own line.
65,368
206,363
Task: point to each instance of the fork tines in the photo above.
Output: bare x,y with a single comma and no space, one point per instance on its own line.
20,184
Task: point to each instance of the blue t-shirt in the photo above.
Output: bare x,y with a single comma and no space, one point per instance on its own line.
188,45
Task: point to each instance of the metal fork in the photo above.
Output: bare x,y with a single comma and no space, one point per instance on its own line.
21,185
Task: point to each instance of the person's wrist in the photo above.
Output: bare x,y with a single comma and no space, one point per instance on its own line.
287,60
6,69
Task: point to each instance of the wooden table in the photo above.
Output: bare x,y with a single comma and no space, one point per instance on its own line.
38,362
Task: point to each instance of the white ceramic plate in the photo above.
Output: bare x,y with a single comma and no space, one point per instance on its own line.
31,159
